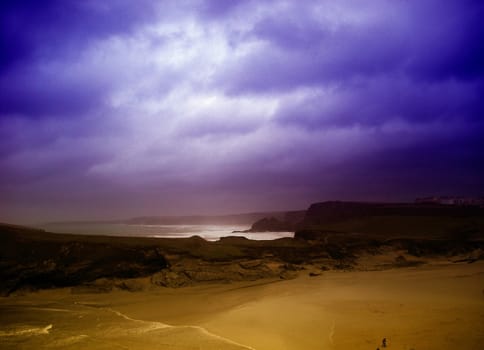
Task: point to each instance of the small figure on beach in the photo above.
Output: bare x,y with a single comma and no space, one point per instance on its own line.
384,343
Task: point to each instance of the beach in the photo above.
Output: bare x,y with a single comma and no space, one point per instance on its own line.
437,306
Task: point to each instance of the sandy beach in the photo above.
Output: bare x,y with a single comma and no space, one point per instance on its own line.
437,306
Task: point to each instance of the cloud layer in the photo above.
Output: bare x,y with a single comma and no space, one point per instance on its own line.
163,107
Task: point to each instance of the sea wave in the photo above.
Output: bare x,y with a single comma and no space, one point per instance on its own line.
26,331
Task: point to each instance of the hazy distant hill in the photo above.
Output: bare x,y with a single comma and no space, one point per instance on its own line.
234,219
230,219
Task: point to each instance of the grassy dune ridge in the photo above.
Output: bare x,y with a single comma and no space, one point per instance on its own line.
333,235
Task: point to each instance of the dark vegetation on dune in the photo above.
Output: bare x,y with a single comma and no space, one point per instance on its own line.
331,235
36,259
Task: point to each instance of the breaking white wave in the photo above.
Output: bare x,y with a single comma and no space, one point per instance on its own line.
153,325
25,331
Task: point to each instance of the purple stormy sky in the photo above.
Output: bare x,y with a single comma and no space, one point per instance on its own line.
120,108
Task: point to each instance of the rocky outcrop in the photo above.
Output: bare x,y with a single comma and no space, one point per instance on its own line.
188,273
289,222
270,225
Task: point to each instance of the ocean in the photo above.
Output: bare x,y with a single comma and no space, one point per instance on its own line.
207,232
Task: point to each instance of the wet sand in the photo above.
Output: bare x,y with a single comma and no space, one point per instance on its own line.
428,307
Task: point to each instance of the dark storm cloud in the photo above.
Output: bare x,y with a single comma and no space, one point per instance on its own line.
112,108
41,42
436,163
420,40
37,92
450,43
427,167
33,29
376,101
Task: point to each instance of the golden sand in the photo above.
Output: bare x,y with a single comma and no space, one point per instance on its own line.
434,307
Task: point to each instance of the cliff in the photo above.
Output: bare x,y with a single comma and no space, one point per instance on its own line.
288,222
334,211
390,219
